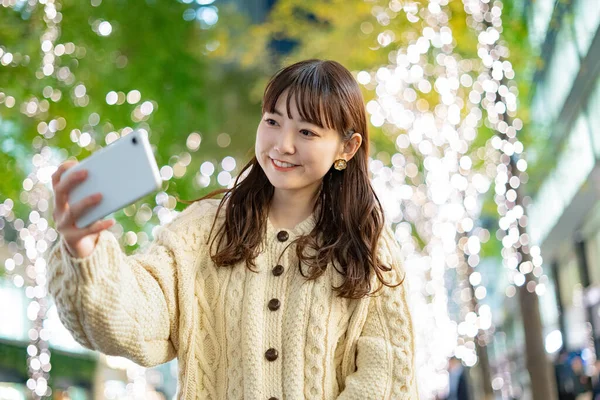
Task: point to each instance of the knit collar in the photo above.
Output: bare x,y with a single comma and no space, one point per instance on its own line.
302,228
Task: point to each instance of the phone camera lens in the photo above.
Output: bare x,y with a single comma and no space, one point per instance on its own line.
134,140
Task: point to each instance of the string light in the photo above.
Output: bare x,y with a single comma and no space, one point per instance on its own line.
26,266
431,189
492,91
500,104
521,257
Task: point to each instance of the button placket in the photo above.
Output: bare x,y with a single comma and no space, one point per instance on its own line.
282,237
274,304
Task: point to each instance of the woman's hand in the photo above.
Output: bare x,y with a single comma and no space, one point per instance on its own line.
80,242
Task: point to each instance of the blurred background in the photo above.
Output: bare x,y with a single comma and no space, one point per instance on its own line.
485,148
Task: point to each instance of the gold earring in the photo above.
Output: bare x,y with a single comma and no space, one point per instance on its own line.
340,164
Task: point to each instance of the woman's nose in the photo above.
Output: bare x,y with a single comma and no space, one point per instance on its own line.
285,143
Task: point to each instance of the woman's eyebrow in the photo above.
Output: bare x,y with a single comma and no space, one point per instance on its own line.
277,112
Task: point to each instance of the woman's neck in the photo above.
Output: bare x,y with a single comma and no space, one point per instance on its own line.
289,208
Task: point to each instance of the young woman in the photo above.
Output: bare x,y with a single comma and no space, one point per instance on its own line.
289,287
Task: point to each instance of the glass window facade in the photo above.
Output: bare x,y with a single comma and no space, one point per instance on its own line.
587,15
539,19
574,165
593,117
560,75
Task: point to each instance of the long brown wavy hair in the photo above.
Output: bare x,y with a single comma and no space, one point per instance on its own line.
348,214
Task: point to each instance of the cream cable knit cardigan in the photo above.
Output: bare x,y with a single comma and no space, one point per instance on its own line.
170,300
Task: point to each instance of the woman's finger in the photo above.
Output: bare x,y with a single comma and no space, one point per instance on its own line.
73,235
78,209
98,227
65,186
59,201
62,168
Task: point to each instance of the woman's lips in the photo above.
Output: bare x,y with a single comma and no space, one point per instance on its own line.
281,168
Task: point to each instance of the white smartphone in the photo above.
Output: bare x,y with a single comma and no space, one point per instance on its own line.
123,172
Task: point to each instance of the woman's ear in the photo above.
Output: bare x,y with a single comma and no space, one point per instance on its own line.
351,146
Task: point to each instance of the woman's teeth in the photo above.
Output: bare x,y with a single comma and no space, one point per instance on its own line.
283,164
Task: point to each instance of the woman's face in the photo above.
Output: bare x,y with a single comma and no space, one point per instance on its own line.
295,154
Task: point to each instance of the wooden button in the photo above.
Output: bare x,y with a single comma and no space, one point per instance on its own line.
282,236
274,304
271,355
278,270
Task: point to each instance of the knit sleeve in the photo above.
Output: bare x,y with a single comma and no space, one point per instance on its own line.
385,348
127,305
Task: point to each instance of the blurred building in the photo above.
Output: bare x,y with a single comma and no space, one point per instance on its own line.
564,214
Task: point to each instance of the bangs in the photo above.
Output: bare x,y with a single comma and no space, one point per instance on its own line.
315,94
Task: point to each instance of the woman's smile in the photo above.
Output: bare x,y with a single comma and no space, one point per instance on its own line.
281,165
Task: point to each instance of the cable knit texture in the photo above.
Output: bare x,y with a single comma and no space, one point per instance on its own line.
169,300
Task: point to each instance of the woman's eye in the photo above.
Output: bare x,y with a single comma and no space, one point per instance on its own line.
307,133
271,121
